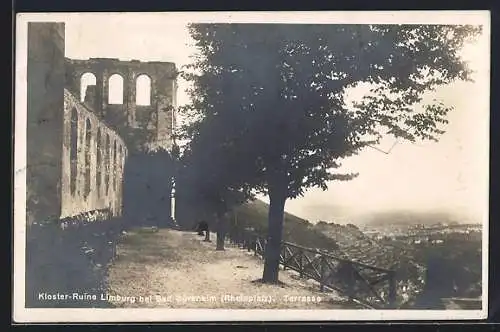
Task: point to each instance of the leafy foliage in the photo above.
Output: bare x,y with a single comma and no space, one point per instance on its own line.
270,111
272,97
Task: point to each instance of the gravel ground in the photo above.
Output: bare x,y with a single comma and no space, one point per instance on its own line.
174,269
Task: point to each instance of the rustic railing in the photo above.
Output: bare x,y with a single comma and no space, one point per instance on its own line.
368,285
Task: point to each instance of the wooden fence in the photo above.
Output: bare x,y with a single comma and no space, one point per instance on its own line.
371,286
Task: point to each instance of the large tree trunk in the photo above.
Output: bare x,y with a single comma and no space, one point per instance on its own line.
277,200
221,232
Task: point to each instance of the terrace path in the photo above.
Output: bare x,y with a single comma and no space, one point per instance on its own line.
179,264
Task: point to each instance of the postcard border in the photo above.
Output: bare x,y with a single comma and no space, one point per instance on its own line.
25,315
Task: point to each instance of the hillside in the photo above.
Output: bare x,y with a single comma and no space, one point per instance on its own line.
357,246
346,241
297,230
315,211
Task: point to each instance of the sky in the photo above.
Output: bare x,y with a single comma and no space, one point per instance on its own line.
451,175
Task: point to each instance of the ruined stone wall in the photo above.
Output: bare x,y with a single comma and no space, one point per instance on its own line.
75,162
77,149
93,162
45,86
142,127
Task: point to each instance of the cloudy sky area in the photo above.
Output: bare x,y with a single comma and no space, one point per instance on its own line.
450,175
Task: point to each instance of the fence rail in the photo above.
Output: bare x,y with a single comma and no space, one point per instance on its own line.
369,285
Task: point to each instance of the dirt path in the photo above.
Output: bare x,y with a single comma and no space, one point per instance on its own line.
175,269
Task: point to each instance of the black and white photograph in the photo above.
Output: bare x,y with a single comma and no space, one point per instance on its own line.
251,166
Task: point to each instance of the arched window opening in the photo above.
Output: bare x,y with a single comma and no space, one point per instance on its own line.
143,90
73,152
88,156
86,80
115,173
115,89
99,161
107,162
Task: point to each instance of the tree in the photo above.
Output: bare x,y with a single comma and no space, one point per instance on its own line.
212,189
273,98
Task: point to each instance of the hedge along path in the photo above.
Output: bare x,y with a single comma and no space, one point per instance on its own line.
174,269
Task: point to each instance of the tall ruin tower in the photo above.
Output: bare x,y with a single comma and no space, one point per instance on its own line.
45,91
113,94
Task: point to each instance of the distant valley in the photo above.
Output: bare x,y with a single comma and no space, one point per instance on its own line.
344,215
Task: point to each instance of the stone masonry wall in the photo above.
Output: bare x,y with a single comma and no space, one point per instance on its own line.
93,162
141,127
76,150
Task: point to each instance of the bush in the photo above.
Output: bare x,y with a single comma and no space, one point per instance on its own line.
70,255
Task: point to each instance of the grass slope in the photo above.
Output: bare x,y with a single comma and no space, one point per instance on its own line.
297,230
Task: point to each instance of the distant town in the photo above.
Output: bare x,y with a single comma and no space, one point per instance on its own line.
436,261
418,233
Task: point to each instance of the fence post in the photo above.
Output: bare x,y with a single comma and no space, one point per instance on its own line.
301,262
392,289
350,279
254,244
249,242
282,252
322,273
